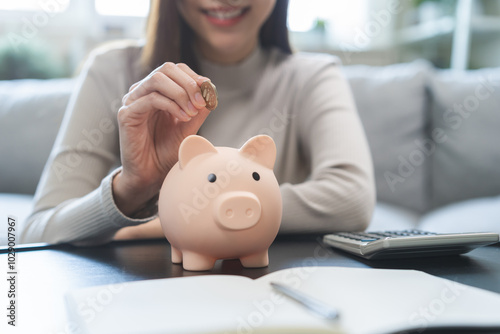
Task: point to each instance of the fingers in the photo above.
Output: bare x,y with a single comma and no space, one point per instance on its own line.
176,82
137,112
198,78
149,230
185,78
165,86
195,123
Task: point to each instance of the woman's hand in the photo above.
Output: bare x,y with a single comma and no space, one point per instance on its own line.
157,114
149,230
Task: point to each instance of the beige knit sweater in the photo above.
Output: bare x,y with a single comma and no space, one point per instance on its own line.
301,100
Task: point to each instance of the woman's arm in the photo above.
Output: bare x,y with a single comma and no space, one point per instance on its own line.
77,199
74,199
340,193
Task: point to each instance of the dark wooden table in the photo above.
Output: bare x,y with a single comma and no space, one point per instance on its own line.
46,273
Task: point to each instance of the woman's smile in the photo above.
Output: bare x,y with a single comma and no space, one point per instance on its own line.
226,31
225,16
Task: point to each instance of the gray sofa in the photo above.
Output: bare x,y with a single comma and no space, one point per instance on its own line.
434,137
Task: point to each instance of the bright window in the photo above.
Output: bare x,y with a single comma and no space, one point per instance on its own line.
303,15
352,24
122,8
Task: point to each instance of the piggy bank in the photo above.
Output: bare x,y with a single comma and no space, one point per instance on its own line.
221,203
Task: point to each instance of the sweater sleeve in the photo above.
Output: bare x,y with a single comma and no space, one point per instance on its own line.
74,200
339,195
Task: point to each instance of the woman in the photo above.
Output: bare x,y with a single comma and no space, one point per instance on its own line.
302,101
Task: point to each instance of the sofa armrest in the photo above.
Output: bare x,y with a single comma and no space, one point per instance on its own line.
31,112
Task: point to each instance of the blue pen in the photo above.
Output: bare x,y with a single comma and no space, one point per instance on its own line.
309,302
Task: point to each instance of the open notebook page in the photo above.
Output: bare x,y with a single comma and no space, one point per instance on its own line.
369,301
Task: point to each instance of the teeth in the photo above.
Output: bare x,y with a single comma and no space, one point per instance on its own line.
225,15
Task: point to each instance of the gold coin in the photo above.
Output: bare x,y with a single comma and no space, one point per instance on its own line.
209,93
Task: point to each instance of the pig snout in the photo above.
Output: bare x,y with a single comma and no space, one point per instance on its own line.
237,210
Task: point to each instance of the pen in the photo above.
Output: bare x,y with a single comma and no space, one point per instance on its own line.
310,303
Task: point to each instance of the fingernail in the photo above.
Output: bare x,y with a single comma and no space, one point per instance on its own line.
201,79
192,110
199,99
186,116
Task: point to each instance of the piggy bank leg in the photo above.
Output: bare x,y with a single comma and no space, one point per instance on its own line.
197,262
255,260
176,255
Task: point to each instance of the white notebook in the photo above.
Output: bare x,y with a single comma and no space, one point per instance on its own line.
369,301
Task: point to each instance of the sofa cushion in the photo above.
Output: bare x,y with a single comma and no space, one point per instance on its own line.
392,101
30,114
387,217
466,106
474,215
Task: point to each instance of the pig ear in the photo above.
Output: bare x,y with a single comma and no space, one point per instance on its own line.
260,149
193,146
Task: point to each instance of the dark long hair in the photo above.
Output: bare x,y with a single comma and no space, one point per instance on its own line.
169,38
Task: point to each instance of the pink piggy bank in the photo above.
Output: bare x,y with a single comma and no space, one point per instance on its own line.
221,203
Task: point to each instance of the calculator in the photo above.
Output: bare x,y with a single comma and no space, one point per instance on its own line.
408,243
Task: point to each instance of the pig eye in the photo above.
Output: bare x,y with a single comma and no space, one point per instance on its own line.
212,177
256,176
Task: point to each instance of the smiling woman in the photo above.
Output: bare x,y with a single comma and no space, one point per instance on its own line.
226,33
225,17
302,101
169,37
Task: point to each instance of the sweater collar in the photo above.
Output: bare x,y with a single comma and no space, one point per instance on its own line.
242,76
